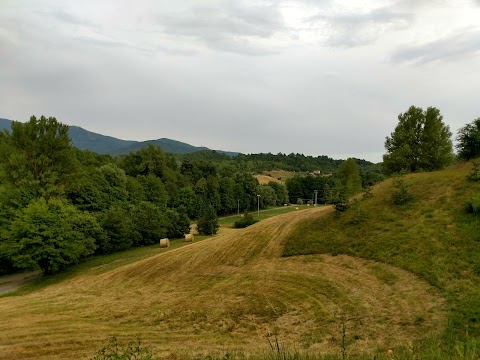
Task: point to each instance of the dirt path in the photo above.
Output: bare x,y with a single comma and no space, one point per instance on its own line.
13,282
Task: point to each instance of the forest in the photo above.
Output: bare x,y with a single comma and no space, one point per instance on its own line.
59,204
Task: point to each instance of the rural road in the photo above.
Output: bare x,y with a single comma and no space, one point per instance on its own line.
13,282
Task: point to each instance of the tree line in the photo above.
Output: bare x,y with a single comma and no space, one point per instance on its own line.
59,205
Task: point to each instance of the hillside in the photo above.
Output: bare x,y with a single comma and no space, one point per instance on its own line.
229,292
433,237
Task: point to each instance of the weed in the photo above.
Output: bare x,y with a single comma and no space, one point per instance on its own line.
132,351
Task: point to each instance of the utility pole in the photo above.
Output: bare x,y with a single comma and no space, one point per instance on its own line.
316,194
258,206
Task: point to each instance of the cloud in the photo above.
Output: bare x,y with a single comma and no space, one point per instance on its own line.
451,48
232,26
347,30
68,18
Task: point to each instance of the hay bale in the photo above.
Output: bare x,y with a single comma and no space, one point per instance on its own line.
164,243
296,208
189,237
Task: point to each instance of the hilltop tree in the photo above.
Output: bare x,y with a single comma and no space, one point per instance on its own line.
420,142
469,140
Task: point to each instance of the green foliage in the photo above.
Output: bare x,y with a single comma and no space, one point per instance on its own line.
118,230
247,220
475,173
420,142
131,351
208,222
51,235
349,177
401,195
268,197
149,224
39,155
473,205
468,139
178,223
281,192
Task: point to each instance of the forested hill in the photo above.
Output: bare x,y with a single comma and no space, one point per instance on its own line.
102,144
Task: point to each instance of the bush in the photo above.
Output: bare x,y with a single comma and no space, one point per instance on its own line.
475,173
473,206
247,220
401,195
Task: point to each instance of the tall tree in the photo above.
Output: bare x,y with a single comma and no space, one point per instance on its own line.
349,178
469,140
39,155
51,235
420,142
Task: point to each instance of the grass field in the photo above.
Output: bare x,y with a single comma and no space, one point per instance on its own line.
231,292
432,237
373,278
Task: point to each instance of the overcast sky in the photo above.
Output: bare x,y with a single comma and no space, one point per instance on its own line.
326,77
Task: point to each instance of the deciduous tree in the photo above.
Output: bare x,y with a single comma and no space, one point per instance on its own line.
469,140
420,142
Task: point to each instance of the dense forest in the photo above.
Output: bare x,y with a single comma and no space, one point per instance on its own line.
59,204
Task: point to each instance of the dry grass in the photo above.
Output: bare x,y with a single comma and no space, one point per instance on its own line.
265,179
229,292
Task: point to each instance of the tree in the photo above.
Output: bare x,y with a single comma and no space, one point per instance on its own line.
51,235
420,142
149,224
39,155
208,222
349,178
469,140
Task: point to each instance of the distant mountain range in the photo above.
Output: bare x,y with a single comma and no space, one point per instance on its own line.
102,144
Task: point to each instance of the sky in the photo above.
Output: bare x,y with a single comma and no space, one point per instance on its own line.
325,77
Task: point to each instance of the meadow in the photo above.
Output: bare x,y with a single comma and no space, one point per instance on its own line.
312,283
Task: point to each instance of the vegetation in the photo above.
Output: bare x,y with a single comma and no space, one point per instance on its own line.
247,220
420,142
434,237
469,140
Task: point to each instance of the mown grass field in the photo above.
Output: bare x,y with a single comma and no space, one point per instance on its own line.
374,278
227,293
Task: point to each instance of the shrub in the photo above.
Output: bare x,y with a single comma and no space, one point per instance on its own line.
475,173
247,220
473,205
133,350
401,195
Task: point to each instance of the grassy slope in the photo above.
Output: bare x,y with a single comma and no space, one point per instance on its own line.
431,237
227,292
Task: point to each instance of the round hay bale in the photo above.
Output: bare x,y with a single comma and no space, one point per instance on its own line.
164,243
241,215
296,208
189,237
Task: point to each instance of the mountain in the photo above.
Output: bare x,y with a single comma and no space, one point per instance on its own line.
167,145
102,144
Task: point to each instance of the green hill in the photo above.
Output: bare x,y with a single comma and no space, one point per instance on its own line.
433,237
